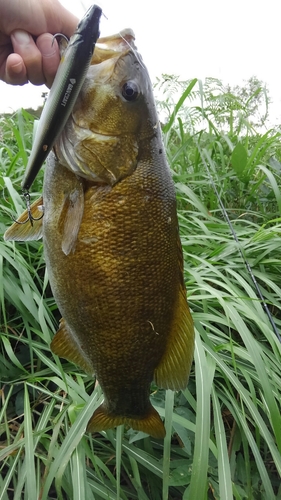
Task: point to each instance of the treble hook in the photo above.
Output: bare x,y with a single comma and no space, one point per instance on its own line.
57,35
30,217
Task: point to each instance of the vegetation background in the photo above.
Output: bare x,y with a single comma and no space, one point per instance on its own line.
224,431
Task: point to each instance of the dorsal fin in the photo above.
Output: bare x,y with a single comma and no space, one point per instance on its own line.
173,369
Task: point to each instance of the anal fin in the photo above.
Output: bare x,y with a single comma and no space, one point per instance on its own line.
65,346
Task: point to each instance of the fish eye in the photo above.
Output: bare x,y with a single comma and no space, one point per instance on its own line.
130,91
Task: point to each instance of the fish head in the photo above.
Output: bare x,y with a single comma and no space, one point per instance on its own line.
114,117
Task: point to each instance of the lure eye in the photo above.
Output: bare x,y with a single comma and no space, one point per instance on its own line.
130,91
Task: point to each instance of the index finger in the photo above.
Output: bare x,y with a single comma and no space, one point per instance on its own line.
49,49
25,46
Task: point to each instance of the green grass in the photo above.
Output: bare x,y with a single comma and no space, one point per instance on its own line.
223,431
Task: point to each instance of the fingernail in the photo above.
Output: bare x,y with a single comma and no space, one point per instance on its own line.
21,37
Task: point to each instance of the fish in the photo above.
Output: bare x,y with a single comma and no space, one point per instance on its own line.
112,245
67,84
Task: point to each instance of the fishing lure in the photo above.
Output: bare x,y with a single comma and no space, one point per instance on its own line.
64,92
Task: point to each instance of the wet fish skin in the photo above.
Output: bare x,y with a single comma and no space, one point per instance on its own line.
112,246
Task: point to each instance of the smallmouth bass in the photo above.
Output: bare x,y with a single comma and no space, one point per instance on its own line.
112,245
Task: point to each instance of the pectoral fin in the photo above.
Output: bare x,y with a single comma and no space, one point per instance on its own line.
71,217
24,231
65,346
173,370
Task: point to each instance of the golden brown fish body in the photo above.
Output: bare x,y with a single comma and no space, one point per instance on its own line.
112,246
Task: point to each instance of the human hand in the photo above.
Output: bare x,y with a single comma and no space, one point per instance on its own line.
26,35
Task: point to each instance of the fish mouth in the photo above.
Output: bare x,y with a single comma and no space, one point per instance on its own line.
111,46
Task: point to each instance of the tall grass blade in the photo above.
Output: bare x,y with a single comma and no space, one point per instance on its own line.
225,483
179,104
169,405
31,485
205,370
119,438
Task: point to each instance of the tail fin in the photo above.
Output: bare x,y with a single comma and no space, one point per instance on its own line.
151,423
